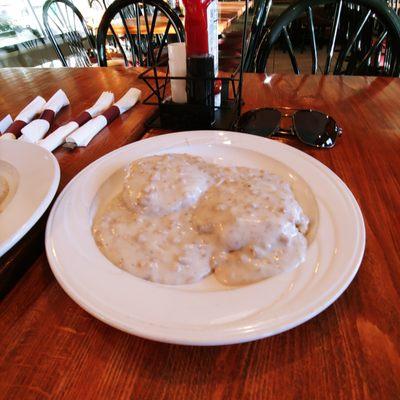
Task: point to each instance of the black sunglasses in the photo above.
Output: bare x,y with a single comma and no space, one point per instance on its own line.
311,127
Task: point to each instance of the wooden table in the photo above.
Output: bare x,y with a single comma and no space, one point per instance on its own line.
82,90
51,349
229,11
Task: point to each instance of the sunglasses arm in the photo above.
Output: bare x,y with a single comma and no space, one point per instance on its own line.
281,132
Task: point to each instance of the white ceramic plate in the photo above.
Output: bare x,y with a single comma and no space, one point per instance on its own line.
32,175
208,313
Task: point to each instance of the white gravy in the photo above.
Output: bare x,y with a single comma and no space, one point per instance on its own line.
180,218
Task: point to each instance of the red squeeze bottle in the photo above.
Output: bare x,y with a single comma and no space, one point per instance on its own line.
196,27
198,35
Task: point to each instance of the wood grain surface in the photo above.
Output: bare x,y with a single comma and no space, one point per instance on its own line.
51,349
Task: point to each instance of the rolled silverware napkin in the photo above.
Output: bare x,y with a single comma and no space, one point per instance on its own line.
36,129
5,123
24,117
57,138
83,135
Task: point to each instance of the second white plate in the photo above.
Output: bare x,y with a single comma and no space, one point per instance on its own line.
208,313
32,175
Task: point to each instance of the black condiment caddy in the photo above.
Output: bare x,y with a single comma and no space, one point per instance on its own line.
187,116
172,115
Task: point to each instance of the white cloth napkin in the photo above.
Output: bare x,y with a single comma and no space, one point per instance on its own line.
7,136
57,138
103,102
26,115
5,123
31,110
36,129
83,135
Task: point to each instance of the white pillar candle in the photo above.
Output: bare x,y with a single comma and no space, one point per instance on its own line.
177,67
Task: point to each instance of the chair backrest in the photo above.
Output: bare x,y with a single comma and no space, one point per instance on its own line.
362,37
260,16
143,29
395,5
97,4
69,33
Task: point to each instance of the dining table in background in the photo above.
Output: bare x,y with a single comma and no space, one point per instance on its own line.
51,348
228,12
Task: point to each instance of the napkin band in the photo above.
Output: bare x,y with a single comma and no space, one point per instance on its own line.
48,115
15,127
83,118
111,113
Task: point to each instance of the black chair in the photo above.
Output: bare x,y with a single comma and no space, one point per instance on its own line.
97,5
113,41
362,37
142,43
231,43
69,34
257,29
395,4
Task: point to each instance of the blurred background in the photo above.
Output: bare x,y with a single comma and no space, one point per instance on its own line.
358,37
23,38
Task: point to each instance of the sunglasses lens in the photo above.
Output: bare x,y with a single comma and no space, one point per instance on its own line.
315,128
263,122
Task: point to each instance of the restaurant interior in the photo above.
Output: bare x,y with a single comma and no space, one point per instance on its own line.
199,199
